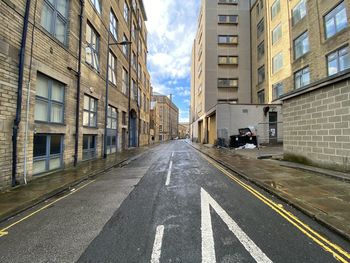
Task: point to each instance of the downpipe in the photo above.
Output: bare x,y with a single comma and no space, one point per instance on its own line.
17,120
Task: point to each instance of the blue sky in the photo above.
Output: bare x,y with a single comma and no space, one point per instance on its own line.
171,30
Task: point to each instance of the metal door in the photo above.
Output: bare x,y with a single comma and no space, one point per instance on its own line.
273,133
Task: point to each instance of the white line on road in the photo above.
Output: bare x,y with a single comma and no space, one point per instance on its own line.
172,154
208,249
157,246
167,182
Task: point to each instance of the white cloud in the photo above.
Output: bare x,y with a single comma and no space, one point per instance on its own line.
171,26
183,116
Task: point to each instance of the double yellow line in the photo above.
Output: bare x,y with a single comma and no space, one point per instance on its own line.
4,232
337,252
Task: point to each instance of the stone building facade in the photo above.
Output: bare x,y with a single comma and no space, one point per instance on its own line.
168,117
220,65
54,72
296,43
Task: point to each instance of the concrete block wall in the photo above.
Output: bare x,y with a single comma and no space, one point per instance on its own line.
317,127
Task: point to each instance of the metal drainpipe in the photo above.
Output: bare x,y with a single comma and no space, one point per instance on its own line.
17,119
129,79
137,77
28,97
106,102
76,146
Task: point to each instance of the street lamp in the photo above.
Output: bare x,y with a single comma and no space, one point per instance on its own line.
123,43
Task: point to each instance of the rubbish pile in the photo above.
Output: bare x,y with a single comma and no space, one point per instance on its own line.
246,138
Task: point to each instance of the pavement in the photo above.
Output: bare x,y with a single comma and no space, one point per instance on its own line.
171,204
324,198
20,198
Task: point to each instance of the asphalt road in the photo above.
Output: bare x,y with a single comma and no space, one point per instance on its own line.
169,205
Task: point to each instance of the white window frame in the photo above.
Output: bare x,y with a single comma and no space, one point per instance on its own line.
301,43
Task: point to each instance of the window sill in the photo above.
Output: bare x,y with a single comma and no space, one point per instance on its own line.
89,127
92,68
53,38
336,35
50,123
301,57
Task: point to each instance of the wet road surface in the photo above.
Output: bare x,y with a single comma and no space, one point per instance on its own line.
170,205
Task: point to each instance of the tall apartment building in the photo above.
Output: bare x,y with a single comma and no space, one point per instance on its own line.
297,43
168,117
58,58
220,70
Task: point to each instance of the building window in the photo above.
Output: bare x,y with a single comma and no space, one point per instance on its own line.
126,12
133,30
228,60
228,19
112,120
92,47
298,12
335,20
97,5
261,74
54,18
133,61
139,97
133,90
49,100
124,118
227,83
276,34
111,68
338,60
277,62
89,147
125,81
277,90
302,78
230,2
47,152
261,97
260,28
90,112
126,48
227,39
301,45
113,25
275,9
261,50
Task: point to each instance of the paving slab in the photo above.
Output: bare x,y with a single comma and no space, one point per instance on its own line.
322,197
20,198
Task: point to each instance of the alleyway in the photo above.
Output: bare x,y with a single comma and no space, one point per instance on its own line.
170,205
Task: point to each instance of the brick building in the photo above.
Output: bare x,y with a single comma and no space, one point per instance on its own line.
59,81
168,117
301,56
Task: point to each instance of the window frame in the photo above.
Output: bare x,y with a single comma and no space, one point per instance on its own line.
260,97
337,52
227,60
221,82
112,66
50,101
113,24
126,12
274,70
297,8
48,156
276,34
301,74
56,15
228,37
260,54
90,152
95,52
263,76
261,24
276,92
125,86
276,4
89,112
304,36
228,19
333,15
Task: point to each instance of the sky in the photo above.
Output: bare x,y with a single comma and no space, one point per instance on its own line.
171,29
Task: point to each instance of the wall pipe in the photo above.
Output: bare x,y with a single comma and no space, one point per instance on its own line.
76,146
17,120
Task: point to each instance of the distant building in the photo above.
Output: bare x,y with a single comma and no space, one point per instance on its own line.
221,78
168,117
155,122
184,130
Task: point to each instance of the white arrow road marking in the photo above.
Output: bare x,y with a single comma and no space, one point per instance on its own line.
157,246
208,249
167,182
